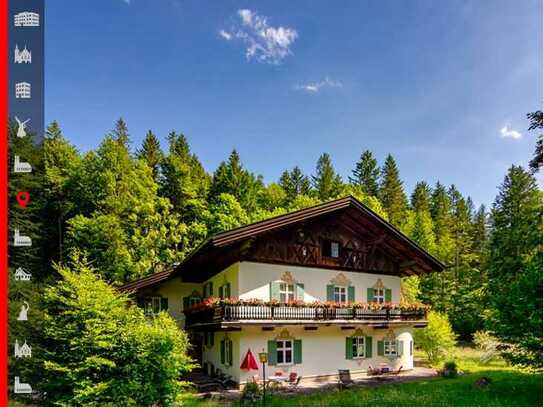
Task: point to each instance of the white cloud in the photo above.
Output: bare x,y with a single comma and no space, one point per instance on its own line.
507,132
226,35
315,87
264,43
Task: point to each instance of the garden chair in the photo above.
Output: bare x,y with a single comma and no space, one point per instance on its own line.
345,378
294,380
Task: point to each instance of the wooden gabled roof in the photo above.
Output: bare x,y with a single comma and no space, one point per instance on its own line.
225,248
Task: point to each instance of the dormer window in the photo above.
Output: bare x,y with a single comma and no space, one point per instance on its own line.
330,248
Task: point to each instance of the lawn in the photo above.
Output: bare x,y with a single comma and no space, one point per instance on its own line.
509,387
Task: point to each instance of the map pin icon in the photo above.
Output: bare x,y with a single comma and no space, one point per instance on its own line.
23,198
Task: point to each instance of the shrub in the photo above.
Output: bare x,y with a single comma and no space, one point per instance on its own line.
450,370
251,392
488,344
437,339
102,352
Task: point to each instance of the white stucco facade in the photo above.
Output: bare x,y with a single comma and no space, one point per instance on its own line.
323,348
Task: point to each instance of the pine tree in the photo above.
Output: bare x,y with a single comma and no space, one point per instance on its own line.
391,192
536,122
294,183
366,174
326,182
421,197
232,178
151,153
120,133
515,264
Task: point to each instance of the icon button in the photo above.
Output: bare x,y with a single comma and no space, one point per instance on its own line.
21,240
23,56
21,388
23,314
23,90
22,351
21,166
26,19
23,198
21,127
22,275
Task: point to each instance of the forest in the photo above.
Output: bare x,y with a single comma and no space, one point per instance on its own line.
129,211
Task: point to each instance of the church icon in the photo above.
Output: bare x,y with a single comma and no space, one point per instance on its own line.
23,56
22,351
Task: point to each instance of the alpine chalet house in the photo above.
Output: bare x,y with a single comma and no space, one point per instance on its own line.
317,289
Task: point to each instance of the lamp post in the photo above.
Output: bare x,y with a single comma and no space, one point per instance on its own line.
263,356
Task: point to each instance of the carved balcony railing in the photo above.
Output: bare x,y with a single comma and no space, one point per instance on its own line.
218,313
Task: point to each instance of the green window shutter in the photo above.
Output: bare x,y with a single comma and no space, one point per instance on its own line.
185,303
380,348
221,292
297,351
350,293
230,356
222,351
388,295
211,339
370,294
369,346
274,290
330,292
228,292
399,347
205,291
210,289
272,353
300,291
164,304
348,348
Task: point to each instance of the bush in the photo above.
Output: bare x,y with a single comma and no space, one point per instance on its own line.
251,392
437,339
102,352
488,344
450,370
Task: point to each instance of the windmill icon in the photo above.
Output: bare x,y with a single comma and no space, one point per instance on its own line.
21,130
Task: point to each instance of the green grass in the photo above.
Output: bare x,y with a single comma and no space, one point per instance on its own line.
509,387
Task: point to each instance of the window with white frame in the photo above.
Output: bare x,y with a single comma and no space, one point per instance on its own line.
390,348
359,347
286,292
340,294
379,295
284,352
152,305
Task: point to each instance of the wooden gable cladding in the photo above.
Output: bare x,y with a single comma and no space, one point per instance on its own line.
303,246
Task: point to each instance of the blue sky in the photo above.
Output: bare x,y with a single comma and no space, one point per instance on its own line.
442,86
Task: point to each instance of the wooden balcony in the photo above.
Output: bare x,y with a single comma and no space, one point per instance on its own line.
277,314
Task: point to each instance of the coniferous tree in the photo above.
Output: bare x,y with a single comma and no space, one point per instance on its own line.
120,133
326,182
151,153
232,178
391,192
515,264
421,197
294,183
536,122
366,174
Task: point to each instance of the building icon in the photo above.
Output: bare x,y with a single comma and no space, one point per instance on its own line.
21,275
26,19
23,56
23,351
21,388
22,90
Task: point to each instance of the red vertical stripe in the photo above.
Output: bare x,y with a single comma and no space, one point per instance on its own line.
4,203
